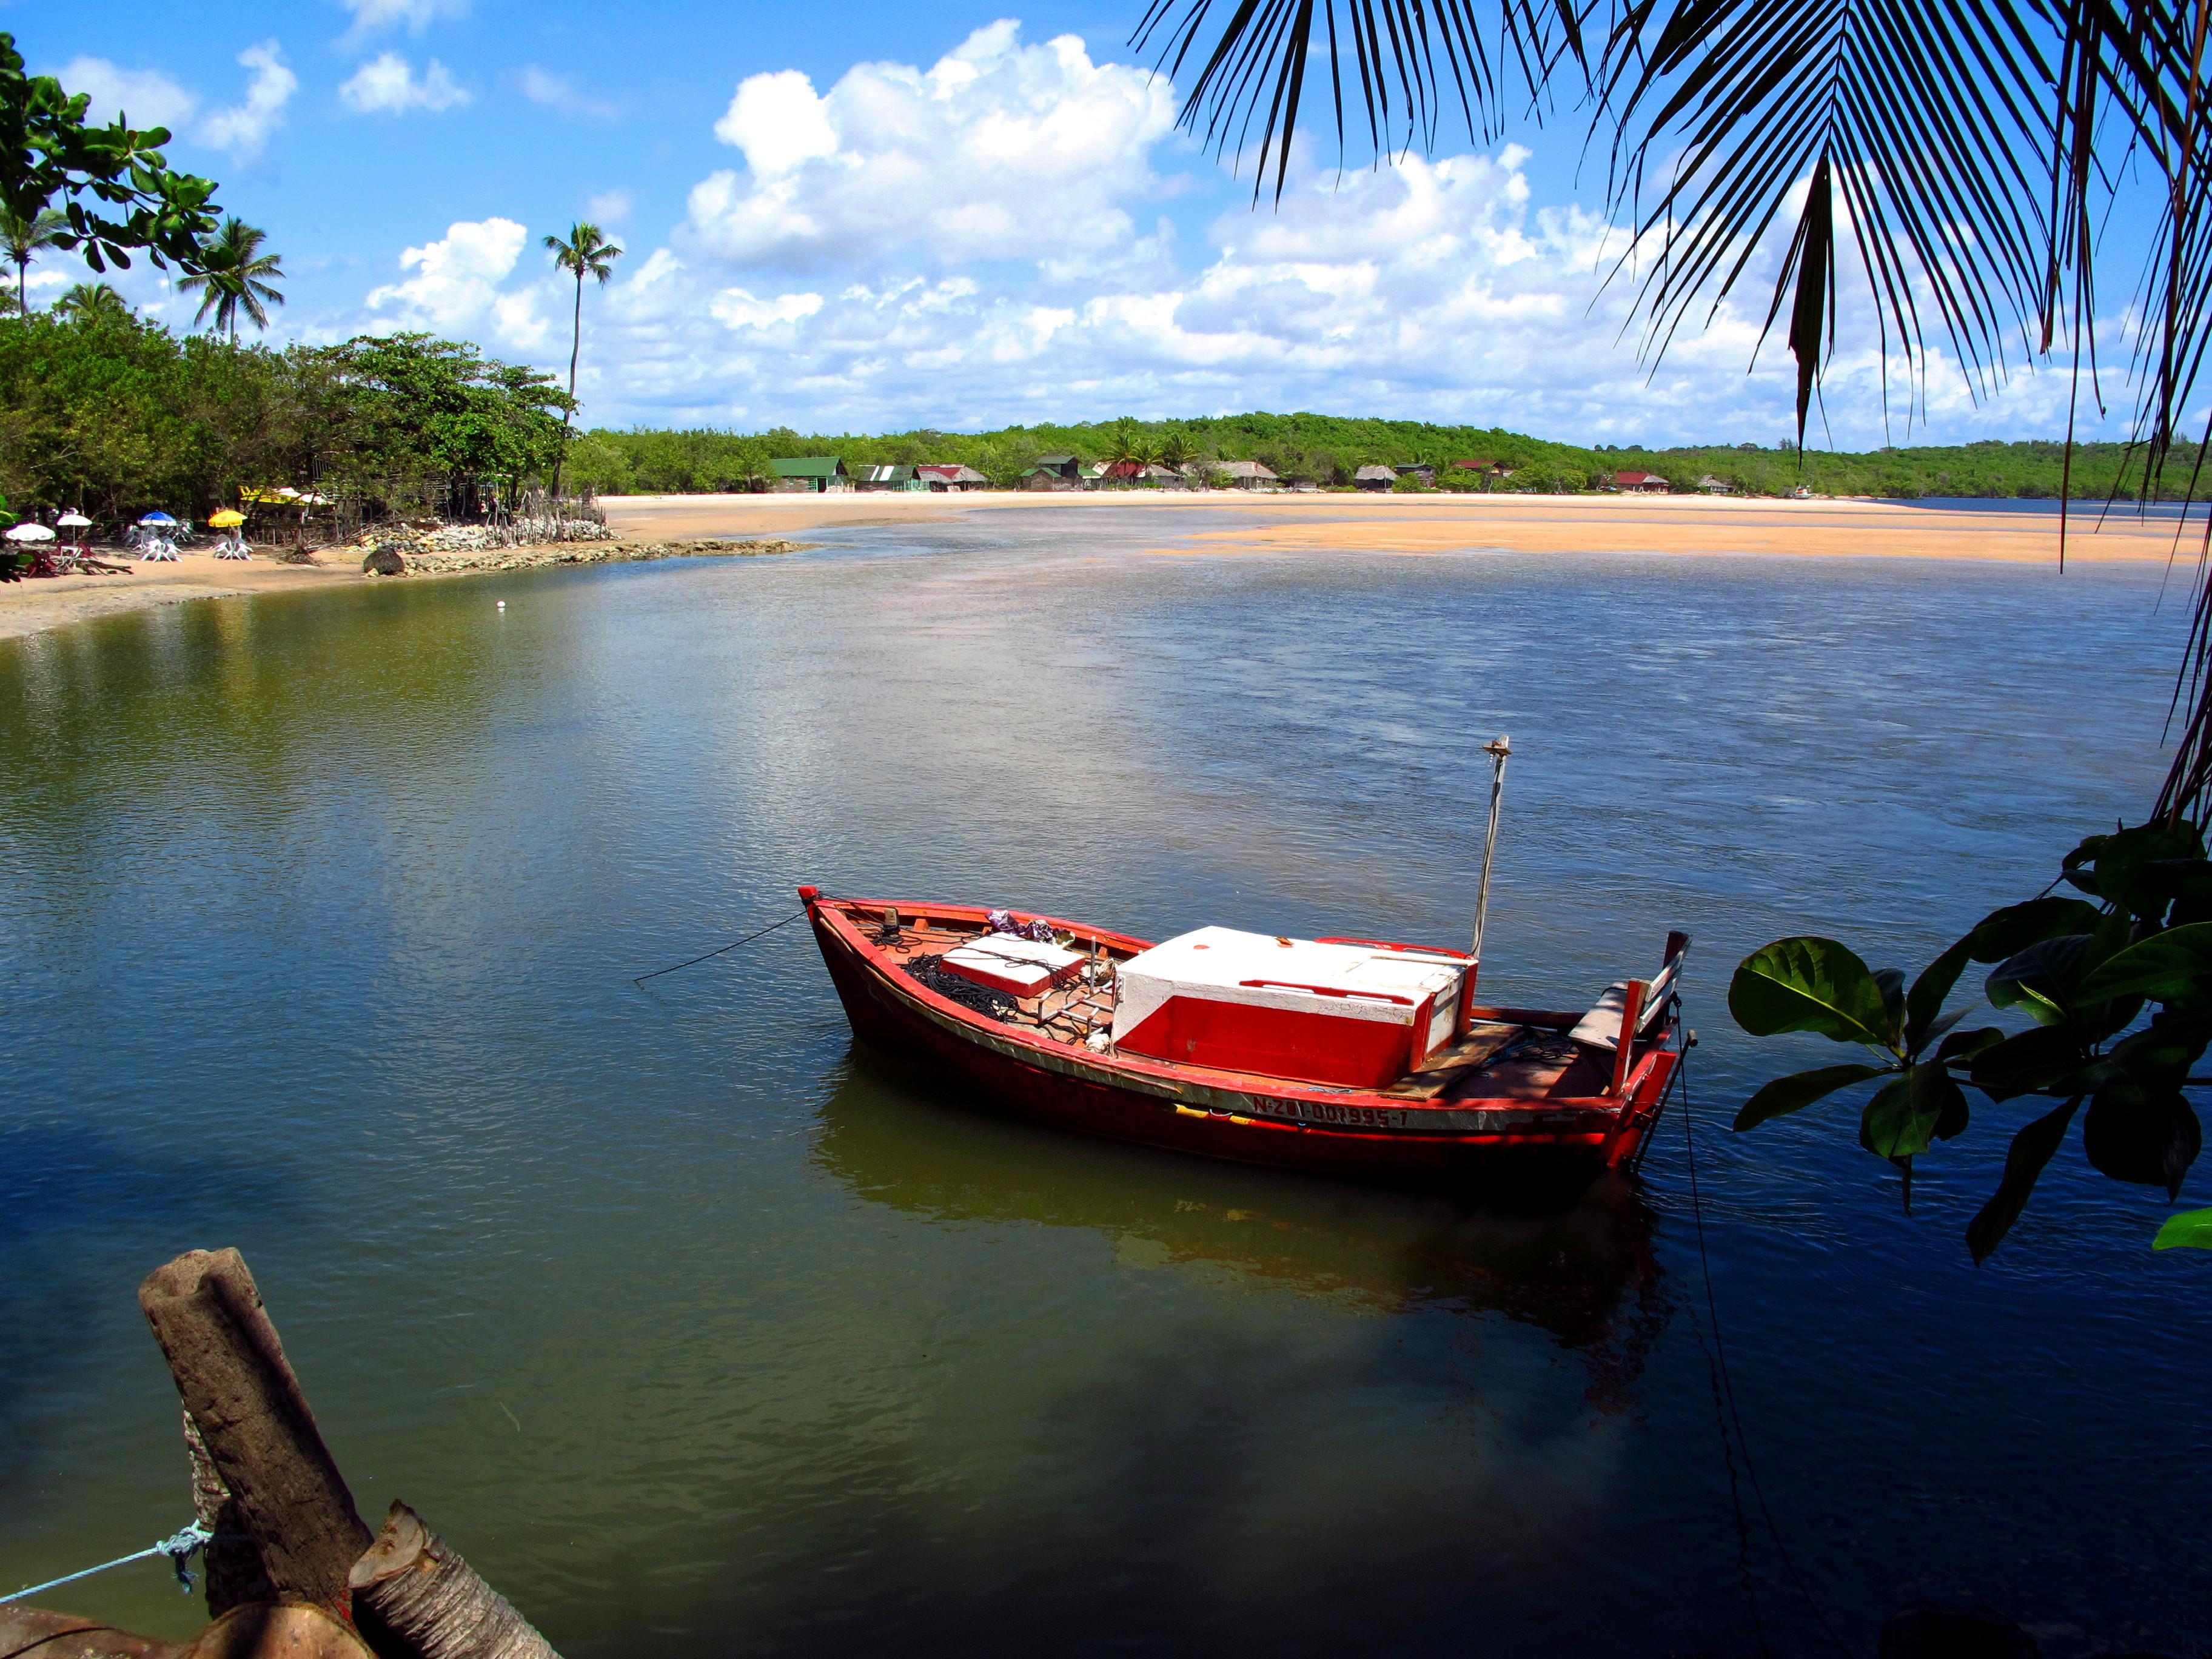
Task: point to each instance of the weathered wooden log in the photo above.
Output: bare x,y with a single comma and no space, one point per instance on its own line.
37,1634
228,1561
254,1422
414,1595
260,1630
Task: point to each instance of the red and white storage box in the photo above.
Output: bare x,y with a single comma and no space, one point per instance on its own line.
1020,967
1362,1015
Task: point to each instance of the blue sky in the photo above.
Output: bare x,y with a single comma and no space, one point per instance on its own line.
850,217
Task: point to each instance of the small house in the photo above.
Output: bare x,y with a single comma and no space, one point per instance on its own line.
1713,486
1420,470
1375,477
1054,472
942,476
1640,483
886,478
816,474
1248,474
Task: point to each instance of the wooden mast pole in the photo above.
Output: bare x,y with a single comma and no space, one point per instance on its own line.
1498,749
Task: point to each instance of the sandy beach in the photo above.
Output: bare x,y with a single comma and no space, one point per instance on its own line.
654,526
1447,523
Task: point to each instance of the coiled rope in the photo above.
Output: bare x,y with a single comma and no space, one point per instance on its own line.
180,1547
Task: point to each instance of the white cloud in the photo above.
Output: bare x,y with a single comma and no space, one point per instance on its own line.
245,128
455,288
979,242
387,86
415,15
148,97
735,308
556,92
609,207
999,150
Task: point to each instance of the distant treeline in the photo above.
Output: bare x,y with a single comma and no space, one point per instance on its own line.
1330,448
110,415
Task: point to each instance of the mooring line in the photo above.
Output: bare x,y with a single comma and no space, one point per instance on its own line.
761,934
1728,1387
180,1547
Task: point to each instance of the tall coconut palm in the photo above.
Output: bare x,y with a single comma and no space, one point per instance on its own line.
22,239
236,275
585,252
1964,154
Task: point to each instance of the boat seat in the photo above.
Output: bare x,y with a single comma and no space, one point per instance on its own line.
1601,1028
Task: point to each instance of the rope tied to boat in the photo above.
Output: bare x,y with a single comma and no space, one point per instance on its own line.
180,1547
761,932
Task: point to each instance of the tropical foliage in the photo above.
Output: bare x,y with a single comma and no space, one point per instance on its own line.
111,184
102,411
2134,937
235,276
1328,448
22,240
585,252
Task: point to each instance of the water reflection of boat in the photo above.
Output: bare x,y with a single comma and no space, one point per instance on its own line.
1580,1266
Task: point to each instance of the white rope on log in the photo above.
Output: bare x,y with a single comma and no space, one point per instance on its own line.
416,1586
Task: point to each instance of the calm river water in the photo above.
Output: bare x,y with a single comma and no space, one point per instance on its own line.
702,1332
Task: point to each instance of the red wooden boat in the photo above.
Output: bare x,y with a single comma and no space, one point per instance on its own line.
1354,1057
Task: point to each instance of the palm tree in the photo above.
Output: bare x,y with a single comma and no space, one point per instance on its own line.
236,275
1976,149
23,239
586,253
93,302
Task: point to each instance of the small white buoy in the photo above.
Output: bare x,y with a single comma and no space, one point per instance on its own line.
503,604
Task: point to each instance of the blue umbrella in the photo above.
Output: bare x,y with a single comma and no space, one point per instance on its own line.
157,518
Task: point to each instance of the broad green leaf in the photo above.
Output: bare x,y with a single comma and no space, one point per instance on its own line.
2030,1149
2162,1052
2127,864
2009,931
2044,1060
2148,1137
1799,1090
1808,984
1965,1045
2167,966
2191,1228
1900,1120
1928,991
2040,979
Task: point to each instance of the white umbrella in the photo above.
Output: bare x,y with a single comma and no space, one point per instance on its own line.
74,521
30,532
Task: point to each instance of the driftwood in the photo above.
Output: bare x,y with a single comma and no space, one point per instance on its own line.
414,1595
263,1632
37,1634
254,1421
228,1561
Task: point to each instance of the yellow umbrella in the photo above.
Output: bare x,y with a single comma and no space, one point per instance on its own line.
225,519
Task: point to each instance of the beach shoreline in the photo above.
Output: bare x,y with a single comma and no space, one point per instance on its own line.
37,605
1294,524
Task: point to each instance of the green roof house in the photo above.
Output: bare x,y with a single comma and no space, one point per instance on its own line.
810,473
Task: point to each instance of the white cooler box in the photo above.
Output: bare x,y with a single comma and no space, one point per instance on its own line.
1361,1015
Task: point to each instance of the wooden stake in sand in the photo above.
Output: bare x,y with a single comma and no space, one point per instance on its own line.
413,1585
254,1422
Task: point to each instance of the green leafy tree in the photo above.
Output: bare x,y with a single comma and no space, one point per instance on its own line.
430,407
236,275
2082,970
585,252
111,184
23,239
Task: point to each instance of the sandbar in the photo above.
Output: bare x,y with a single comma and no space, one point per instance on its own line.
1425,524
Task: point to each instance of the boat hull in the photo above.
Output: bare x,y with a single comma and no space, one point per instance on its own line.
1240,1117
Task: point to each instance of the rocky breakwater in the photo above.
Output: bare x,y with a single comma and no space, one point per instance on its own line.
465,549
